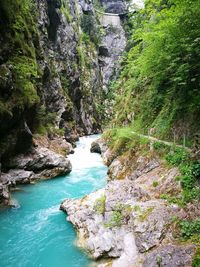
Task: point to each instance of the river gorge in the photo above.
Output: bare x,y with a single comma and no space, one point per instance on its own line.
99,133
35,232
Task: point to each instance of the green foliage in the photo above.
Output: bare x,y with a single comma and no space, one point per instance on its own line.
187,179
177,156
40,129
195,169
83,50
65,9
112,28
4,110
137,208
65,83
190,231
172,199
196,259
161,149
159,82
189,170
123,139
119,215
116,219
25,72
45,122
97,5
125,209
144,214
100,205
19,17
190,228
85,38
81,55
21,46
155,183
89,27
189,173
158,145
158,260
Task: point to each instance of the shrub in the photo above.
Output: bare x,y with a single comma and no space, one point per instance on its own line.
196,260
196,169
177,156
116,219
65,9
188,229
100,205
155,183
85,38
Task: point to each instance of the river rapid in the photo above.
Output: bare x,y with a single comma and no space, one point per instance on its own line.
36,233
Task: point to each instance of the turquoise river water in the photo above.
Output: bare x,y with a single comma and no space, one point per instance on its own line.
36,234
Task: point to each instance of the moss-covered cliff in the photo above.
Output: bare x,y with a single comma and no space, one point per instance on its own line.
53,79
50,76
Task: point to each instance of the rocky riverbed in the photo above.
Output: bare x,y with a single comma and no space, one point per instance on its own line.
127,223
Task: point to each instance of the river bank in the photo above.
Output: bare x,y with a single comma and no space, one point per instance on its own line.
128,223
37,222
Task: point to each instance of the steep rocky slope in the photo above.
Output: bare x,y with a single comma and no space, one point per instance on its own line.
129,223
53,74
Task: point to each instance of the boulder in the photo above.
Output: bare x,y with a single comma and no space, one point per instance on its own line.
106,236
4,188
144,166
40,159
19,176
170,255
150,224
57,144
94,236
40,163
116,170
100,146
95,148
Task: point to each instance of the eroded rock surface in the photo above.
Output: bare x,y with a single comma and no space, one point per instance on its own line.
39,163
170,255
127,222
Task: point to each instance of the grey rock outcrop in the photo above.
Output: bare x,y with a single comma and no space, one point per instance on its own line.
111,48
40,163
127,222
170,255
40,159
131,231
4,188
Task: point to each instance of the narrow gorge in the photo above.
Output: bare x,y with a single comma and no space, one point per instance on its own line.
56,61
99,133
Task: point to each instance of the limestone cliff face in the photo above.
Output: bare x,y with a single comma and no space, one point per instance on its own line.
55,58
56,61
128,223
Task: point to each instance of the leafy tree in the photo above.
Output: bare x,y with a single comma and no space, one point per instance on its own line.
160,80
